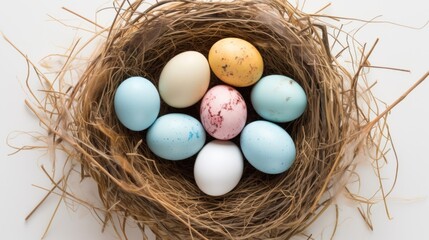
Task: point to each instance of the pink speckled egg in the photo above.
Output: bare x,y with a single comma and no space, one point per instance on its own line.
223,112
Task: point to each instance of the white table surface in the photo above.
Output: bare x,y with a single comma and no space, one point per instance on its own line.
29,26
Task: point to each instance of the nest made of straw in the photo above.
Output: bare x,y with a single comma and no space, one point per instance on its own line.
162,194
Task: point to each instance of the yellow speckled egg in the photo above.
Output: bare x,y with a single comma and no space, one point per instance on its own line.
236,62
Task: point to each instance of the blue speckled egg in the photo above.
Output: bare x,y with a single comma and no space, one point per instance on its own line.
176,136
268,147
278,98
137,103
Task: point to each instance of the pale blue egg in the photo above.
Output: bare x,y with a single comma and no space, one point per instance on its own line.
176,136
137,103
267,147
278,98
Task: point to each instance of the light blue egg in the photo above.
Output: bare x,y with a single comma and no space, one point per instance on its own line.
176,136
137,103
267,147
278,98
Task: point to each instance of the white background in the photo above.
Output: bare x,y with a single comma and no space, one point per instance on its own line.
28,25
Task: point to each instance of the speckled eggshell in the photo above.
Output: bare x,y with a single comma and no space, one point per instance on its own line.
267,147
223,112
236,62
175,136
278,98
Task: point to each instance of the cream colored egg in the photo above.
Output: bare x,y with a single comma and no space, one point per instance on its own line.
236,62
184,79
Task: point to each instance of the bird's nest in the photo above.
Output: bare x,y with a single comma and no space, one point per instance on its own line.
163,195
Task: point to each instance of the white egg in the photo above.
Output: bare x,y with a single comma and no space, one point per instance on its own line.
218,167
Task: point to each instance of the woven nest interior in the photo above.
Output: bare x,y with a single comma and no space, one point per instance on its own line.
163,194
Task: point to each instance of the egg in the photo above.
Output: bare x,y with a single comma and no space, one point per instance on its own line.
236,62
184,79
223,112
278,98
175,136
267,147
218,167
136,103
